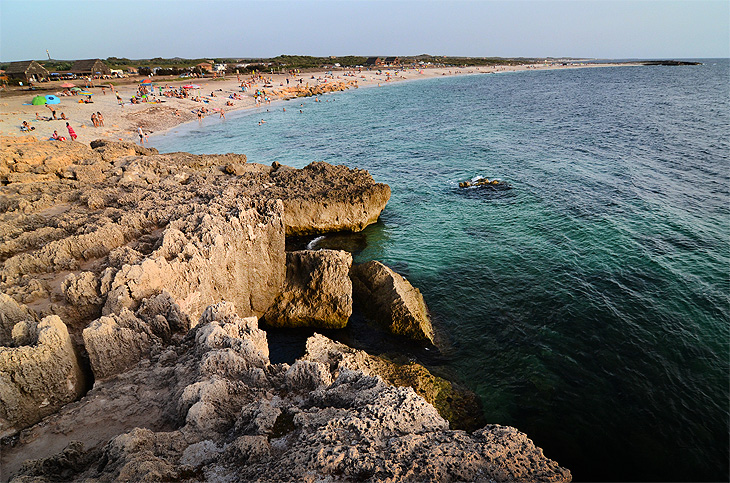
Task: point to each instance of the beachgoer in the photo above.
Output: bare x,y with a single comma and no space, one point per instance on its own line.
200,115
71,132
63,117
26,126
103,91
37,117
119,99
53,111
223,113
142,135
55,136
93,119
100,119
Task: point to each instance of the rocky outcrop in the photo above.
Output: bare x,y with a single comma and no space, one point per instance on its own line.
460,407
231,415
318,291
37,376
391,300
208,256
11,312
321,198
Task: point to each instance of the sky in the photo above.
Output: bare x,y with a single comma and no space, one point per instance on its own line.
614,29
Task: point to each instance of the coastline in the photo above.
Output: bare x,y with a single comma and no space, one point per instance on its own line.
122,123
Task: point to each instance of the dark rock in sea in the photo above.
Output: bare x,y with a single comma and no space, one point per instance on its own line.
670,62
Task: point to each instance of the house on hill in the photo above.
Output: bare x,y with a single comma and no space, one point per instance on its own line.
90,67
373,61
392,61
27,70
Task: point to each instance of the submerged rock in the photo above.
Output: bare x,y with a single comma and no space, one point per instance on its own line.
391,300
318,291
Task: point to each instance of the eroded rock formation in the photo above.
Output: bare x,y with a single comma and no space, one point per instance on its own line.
120,251
231,415
38,375
391,300
318,291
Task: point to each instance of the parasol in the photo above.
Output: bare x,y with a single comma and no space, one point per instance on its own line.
39,101
52,100
66,85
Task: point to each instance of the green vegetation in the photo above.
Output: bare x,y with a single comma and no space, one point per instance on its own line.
177,65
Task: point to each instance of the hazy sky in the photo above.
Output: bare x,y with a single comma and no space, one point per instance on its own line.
73,29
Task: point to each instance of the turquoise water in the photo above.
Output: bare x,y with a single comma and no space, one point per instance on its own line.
588,304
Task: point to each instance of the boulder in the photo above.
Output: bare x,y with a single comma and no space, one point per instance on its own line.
391,300
317,293
39,377
117,342
11,312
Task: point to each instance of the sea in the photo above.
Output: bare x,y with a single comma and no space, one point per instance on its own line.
585,298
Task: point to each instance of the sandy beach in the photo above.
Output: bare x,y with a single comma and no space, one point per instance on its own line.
165,112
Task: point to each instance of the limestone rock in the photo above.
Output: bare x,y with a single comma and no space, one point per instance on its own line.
37,379
318,291
215,409
391,300
209,256
111,150
116,343
11,312
322,198
460,407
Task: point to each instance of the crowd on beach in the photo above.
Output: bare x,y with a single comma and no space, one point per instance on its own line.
186,101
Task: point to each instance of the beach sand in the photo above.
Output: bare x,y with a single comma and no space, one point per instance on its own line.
123,122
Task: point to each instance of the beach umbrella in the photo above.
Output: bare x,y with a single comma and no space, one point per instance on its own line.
188,86
66,85
85,93
52,100
39,101
146,81
76,89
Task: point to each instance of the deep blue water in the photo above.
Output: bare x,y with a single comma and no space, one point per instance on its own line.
588,305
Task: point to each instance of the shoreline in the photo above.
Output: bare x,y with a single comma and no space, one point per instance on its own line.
158,118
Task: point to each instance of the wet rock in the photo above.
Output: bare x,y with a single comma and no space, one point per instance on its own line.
38,377
391,300
318,291
460,407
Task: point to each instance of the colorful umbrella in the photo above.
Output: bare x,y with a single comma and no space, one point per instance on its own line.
85,93
76,89
66,85
146,81
52,100
38,101
189,86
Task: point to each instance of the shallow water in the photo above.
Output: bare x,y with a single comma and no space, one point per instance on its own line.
588,304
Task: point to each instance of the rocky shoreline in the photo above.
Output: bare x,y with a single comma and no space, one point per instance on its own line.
132,285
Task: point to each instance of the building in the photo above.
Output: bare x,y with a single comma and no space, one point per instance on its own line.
205,67
373,61
27,70
392,61
90,67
